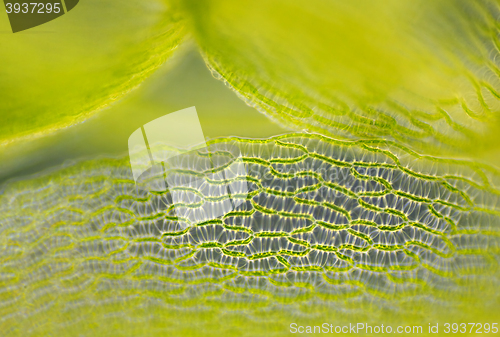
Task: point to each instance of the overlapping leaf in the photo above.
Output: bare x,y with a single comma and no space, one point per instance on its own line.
423,73
61,73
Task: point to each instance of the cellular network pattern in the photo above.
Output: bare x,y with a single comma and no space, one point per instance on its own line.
363,223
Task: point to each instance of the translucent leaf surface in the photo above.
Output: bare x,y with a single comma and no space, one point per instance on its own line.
424,73
62,72
327,229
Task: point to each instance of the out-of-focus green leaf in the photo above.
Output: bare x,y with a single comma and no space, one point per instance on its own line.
424,73
62,72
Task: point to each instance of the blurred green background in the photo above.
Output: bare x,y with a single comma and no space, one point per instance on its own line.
181,82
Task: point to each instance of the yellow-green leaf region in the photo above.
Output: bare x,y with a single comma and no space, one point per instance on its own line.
62,72
424,73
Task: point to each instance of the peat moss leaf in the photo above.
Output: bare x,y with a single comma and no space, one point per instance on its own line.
424,73
64,71
376,232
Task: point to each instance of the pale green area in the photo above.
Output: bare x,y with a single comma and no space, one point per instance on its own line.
182,82
62,72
